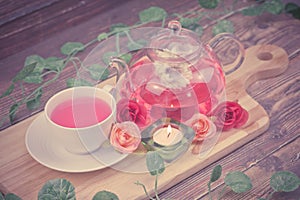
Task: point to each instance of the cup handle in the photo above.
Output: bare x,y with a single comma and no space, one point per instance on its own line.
240,58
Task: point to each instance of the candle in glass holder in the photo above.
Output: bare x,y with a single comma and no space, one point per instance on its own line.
167,136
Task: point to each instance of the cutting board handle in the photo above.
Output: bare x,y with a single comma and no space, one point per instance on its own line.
261,62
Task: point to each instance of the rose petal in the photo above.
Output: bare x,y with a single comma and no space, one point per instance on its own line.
202,126
133,107
230,115
125,137
130,110
242,120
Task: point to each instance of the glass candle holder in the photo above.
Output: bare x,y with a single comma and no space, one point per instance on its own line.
169,137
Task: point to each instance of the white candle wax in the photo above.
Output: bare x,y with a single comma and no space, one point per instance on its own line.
167,136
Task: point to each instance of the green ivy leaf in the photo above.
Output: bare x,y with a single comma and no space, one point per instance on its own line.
133,46
34,77
54,63
57,189
155,163
197,29
39,63
34,102
11,196
126,57
188,22
290,7
8,91
102,36
284,181
216,173
209,4
74,82
253,11
119,27
274,6
1,196
25,71
12,111
223,26
108,55
261,199
152,14
238,182
296,14
98,72
105,195
293,9
70,47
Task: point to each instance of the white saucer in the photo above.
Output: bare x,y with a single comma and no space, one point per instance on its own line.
51,154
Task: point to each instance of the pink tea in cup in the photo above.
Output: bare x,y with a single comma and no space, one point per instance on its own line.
80,112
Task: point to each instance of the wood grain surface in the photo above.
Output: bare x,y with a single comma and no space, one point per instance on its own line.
253,68
59,21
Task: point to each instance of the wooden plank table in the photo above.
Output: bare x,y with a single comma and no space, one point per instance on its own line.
276,149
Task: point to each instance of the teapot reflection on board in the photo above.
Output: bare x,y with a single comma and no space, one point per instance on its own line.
176,76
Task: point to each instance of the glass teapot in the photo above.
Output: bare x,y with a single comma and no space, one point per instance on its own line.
176,76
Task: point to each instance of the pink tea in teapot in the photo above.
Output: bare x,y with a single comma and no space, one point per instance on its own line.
175,90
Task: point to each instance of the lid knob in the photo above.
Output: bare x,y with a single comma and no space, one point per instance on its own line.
175,26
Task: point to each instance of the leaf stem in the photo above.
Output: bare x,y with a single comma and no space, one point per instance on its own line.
222,192
22,89
90,43
129,37
209,190
163,22
127,29
40,87
73,60
48,72
118,43
155,187
13,98
144,188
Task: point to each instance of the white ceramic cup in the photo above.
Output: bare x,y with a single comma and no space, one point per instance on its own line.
81,140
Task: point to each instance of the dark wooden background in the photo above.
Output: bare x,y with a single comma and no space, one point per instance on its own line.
41,27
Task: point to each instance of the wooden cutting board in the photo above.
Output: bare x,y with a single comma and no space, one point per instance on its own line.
261,62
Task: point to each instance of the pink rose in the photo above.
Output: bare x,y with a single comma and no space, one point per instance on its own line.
129,110
125,137
202,126
229,115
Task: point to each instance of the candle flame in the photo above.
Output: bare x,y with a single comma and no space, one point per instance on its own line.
169,130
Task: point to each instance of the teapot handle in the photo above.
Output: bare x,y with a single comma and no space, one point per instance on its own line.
240,58
117,64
